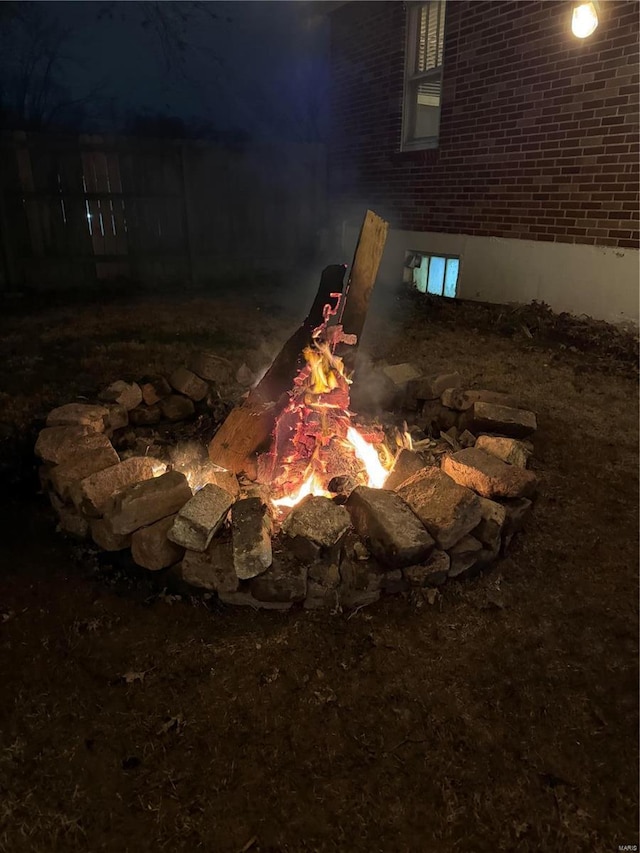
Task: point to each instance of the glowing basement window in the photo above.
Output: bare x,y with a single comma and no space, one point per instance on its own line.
437,274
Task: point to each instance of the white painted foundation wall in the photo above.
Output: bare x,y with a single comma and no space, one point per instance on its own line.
598,281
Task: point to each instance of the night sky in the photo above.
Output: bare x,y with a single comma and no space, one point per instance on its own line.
259,66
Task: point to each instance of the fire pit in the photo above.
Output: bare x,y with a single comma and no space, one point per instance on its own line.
314,490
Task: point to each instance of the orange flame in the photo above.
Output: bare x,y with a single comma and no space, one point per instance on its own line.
317,440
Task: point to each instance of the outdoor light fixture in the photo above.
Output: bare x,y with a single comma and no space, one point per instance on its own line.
584,19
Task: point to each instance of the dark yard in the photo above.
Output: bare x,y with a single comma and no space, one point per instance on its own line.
502,716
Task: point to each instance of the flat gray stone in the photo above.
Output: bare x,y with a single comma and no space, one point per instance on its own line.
154,389
207,365
208,472
489,531
59,444
433,572
460,400
320,597
127,394
504,420
211,569
104,537
79,414
407,463
447,510
146,415
284,581
65,476
186,382
142,504
118,416
507,449
251,536
200,518
464,557
361,583
431,387
487,475
318,520
175,407
401,374
151,549
392,531
70,521
93,494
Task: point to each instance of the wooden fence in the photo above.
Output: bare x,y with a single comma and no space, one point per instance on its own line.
79,210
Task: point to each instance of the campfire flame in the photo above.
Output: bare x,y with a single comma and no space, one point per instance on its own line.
314,438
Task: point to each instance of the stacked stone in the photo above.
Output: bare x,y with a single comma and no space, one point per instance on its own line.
446,513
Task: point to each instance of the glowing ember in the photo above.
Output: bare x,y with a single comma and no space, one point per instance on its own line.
314,439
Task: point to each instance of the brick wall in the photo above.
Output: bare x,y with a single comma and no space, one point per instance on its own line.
538,134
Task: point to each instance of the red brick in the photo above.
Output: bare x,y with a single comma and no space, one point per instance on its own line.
526,110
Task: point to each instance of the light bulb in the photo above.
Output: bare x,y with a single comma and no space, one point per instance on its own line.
584,20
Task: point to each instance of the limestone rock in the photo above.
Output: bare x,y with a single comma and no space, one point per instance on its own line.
209,472
59,444
460,400
490,417
251,535
151,548
118,416
318,520
508,449
487,475
127,394
361,583
464,557
175,407
142,504
201,518
186,382
489,531
92,417
431,387
207,365
433,572
447,510
407,463
401,374
211,569
104,537
92,495
154,389
284,581
70,521
146,415
392,531
65,476
437,417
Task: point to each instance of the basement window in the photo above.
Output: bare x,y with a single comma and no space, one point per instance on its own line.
436,274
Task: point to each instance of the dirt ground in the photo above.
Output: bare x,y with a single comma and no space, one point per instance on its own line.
502,717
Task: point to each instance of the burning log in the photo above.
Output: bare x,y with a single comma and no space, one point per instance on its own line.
364,269
249,426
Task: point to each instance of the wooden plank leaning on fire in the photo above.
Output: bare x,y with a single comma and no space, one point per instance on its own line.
249,426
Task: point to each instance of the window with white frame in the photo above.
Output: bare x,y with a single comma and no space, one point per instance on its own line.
423,74
431,273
